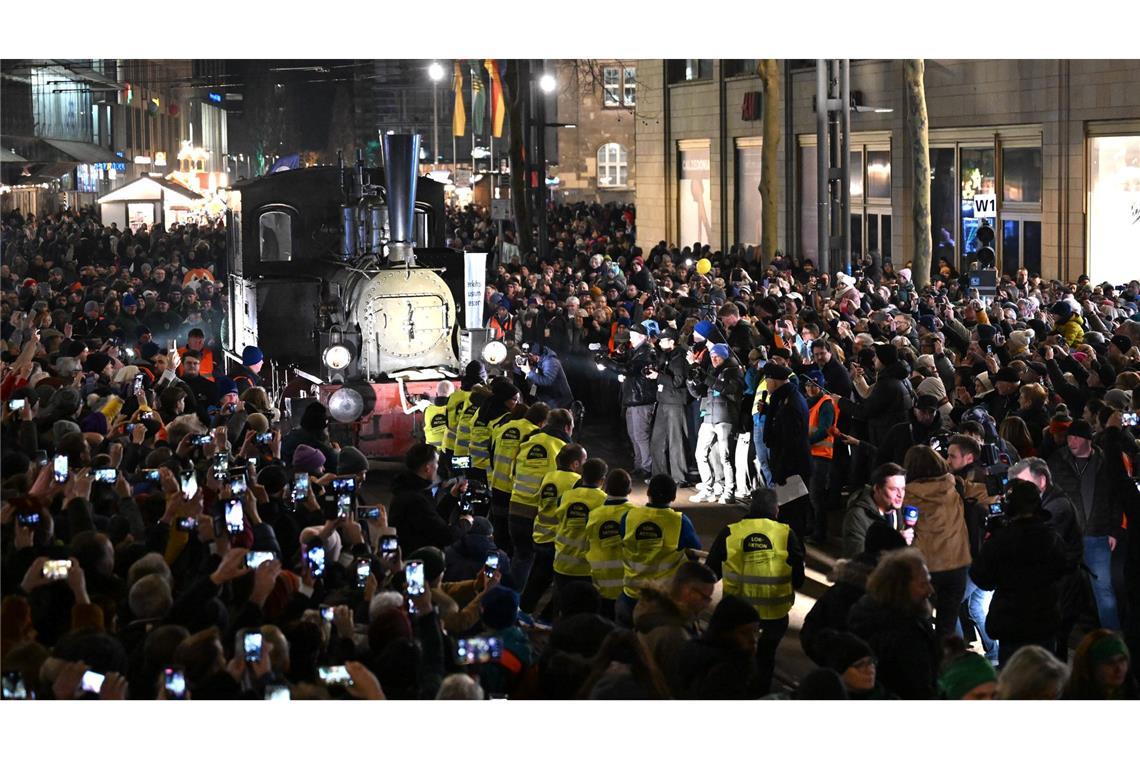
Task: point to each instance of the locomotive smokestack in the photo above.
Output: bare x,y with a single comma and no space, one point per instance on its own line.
401,162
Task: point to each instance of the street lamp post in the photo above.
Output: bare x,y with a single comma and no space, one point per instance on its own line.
435,71
547,85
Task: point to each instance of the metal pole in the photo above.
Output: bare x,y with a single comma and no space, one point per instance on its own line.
823,200
435,124
845,159
543,233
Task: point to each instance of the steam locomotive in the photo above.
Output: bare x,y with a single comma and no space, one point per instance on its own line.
339,275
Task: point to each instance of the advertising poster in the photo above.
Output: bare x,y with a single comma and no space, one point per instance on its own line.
748,195
474,288
695,194
1114,208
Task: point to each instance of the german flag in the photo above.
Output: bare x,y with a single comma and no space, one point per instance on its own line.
498,104
459,120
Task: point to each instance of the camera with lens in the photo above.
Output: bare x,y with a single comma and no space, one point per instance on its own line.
475,499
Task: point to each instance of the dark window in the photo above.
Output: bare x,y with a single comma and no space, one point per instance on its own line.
689,69
1021,170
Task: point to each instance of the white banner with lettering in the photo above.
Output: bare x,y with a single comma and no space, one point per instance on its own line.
474,288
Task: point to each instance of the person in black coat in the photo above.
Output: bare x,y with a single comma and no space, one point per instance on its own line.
894,617
722,663
890,398
925,423
1023,561
786,436
835,375
415,513
467,557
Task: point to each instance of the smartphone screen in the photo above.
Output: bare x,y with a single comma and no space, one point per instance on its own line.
17,404
221,462
235,520
189,484
238,483
153,475
187,524
92,682
138,383
277,693
28,519
363,570
266,437
59,466
414,572
316,556
461,463
389,544
336,675
251,645
300,485
343,505
344,485
478,650
14,686
108,475
326,613
174,683
57,569
253,560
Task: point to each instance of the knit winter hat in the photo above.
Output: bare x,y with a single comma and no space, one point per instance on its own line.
964,674
251,355
731,613
258,422
721,349
307,459
499,607
887,354
351,461
704,328
843,650
433,559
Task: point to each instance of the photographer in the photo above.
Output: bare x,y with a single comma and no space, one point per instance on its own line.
543,369
415,512
1023,561
669,440
638,394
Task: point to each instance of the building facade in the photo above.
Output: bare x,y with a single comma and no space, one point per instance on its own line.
1053,144
594,145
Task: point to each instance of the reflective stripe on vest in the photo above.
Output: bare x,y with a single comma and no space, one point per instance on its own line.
481,435
455,403
756,566
506,440
603,532
650,547
536,457
570,544
463,432
435,425
554,484
824,449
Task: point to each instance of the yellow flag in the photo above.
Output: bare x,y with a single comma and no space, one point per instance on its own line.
459,120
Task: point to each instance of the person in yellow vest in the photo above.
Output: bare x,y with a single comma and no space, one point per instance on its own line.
479,395
473,375
505,441
654,540
537,456
574,508
435,416
604,540
569,461
493,411
823,419
761,561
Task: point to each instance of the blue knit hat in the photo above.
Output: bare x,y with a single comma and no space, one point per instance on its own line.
226,385
251,355
704,328
130,300
721,349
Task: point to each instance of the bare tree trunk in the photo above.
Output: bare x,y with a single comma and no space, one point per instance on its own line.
516,101
920,146
769,70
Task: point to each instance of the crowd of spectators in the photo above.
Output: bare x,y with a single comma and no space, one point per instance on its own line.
167,534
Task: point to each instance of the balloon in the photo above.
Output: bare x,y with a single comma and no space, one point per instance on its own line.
704,266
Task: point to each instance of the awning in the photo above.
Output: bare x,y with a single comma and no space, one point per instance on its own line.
83,152
7,155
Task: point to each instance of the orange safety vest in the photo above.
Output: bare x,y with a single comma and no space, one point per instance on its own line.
825,448
205,364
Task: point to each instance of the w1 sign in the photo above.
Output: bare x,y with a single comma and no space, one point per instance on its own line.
985,206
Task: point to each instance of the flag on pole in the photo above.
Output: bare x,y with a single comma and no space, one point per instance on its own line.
498,103
478,99
459,119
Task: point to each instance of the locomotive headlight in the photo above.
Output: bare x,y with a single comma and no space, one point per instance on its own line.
494,352
337,357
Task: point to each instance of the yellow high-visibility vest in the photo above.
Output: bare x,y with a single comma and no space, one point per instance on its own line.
463,432
435,424
650,547
480,447
505,441
604,548
550,491
455,403
570,543
536,457
756,568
